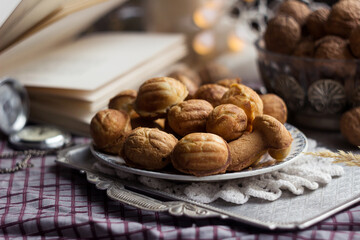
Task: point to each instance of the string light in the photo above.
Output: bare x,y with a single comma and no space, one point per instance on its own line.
235,42
204,43
206,15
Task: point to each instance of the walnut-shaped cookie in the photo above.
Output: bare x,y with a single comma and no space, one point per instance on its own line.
274,106
157,95
189,116
214,71
211,93
201,154
245,98
228,121
108,129
190,85
148,148
124,101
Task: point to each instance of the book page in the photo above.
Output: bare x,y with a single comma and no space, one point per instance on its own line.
31,17
93,61
52,35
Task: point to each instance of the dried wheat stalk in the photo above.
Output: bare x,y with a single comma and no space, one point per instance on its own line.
340,156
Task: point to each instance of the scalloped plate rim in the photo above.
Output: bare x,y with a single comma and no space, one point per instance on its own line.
118,163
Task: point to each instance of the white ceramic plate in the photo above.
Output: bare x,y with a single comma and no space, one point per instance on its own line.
298,146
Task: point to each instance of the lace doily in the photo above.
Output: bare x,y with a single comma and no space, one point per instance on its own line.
308,172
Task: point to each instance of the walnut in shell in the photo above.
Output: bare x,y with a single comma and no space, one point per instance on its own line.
354,41
350,126
316,22
305,48
296,9
343,18
282,34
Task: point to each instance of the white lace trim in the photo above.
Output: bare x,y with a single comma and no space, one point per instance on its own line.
308,172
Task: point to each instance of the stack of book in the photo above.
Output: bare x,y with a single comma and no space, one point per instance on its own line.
68,78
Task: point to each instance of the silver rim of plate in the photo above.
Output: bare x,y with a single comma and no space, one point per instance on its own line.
298,146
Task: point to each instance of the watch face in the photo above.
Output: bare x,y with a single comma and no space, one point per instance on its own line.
39,137
38,133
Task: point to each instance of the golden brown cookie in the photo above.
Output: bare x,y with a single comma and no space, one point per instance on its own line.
274,106
190,85
245,98
124,101
201,154
268,135
157,95
211,93
189,116
228,121
108,129
148,148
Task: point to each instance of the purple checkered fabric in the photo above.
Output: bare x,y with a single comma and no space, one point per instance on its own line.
55,202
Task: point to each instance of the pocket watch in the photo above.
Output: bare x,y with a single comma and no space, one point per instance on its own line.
33,140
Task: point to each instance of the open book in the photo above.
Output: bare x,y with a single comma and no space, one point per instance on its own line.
70,80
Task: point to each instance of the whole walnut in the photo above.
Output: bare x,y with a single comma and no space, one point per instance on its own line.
305,48
332,47
316,22
344,17
350,126
282,34
296,9
354,41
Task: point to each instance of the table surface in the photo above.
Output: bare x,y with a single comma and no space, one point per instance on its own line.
53,201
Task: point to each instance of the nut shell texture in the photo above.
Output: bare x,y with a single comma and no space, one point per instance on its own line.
201,154
354,41
157,95
316,22
189,116
108,129
148,148
296,9
282,34
350,126
228,121
344,17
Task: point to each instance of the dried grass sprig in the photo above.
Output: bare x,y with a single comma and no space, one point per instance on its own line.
340,156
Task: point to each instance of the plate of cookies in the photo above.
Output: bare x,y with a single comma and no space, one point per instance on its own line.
172,130
265,164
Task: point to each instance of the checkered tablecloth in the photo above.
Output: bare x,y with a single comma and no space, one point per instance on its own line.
51,201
